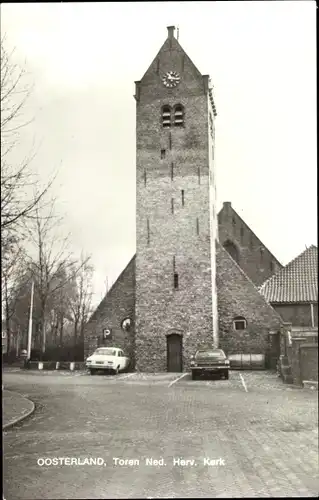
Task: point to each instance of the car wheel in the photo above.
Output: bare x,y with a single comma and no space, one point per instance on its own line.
226,375
194,376
92,371
116,371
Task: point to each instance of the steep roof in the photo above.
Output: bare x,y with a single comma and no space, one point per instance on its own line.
171,44
228,205
296,282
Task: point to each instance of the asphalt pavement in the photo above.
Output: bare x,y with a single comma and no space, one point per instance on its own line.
161,436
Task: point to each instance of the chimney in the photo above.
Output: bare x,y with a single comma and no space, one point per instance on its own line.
170,30
206,83
227,204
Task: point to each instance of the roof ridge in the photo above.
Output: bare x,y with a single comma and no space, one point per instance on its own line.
298,257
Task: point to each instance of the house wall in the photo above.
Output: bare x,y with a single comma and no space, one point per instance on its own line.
253,257
296,314
118,304
237,296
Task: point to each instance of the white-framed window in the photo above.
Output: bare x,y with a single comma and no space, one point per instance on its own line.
239,323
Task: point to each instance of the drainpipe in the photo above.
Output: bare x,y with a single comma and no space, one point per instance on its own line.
312,316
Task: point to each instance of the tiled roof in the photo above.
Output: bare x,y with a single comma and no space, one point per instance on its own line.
296,282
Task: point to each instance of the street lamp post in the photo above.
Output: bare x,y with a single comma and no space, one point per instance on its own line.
30,324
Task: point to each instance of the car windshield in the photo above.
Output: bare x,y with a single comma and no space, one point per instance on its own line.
105,352
210,354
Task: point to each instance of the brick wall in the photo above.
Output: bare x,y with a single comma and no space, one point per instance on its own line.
296,314
172,236
253,257
118,304
237,296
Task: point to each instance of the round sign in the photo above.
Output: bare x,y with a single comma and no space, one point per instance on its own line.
126,324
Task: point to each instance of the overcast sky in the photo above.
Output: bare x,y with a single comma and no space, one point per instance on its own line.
84,58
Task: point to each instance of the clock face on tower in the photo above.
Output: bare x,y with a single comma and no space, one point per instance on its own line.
171,79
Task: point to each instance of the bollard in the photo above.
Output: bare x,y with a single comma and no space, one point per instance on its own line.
72,366
57,366
40,365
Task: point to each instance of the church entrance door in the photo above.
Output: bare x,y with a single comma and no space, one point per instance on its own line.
174,353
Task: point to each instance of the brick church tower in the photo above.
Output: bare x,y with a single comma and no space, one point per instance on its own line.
176,222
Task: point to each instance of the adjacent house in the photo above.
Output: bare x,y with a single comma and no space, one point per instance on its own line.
293,290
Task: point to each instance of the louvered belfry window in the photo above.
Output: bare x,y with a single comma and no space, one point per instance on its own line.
178,115
166,116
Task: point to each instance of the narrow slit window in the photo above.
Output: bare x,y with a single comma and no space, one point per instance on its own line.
172,205
145,179
172,171
166,116
179,115
198,173
148,231
197,226
183,197
176,281
170,140
163,153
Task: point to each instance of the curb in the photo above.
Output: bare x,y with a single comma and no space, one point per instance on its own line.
22,417
310,384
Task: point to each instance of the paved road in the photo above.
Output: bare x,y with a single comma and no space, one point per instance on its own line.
262,434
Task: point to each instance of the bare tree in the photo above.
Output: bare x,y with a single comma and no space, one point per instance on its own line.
12,267
81,301
54,266
17,180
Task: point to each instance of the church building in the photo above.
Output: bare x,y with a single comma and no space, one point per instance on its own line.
195,276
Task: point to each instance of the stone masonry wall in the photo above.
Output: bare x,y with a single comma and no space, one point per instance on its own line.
172,236
237,296
254,258
117,305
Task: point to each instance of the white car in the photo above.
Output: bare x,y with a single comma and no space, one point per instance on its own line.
110,359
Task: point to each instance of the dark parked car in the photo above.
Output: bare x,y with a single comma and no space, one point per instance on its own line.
210,361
